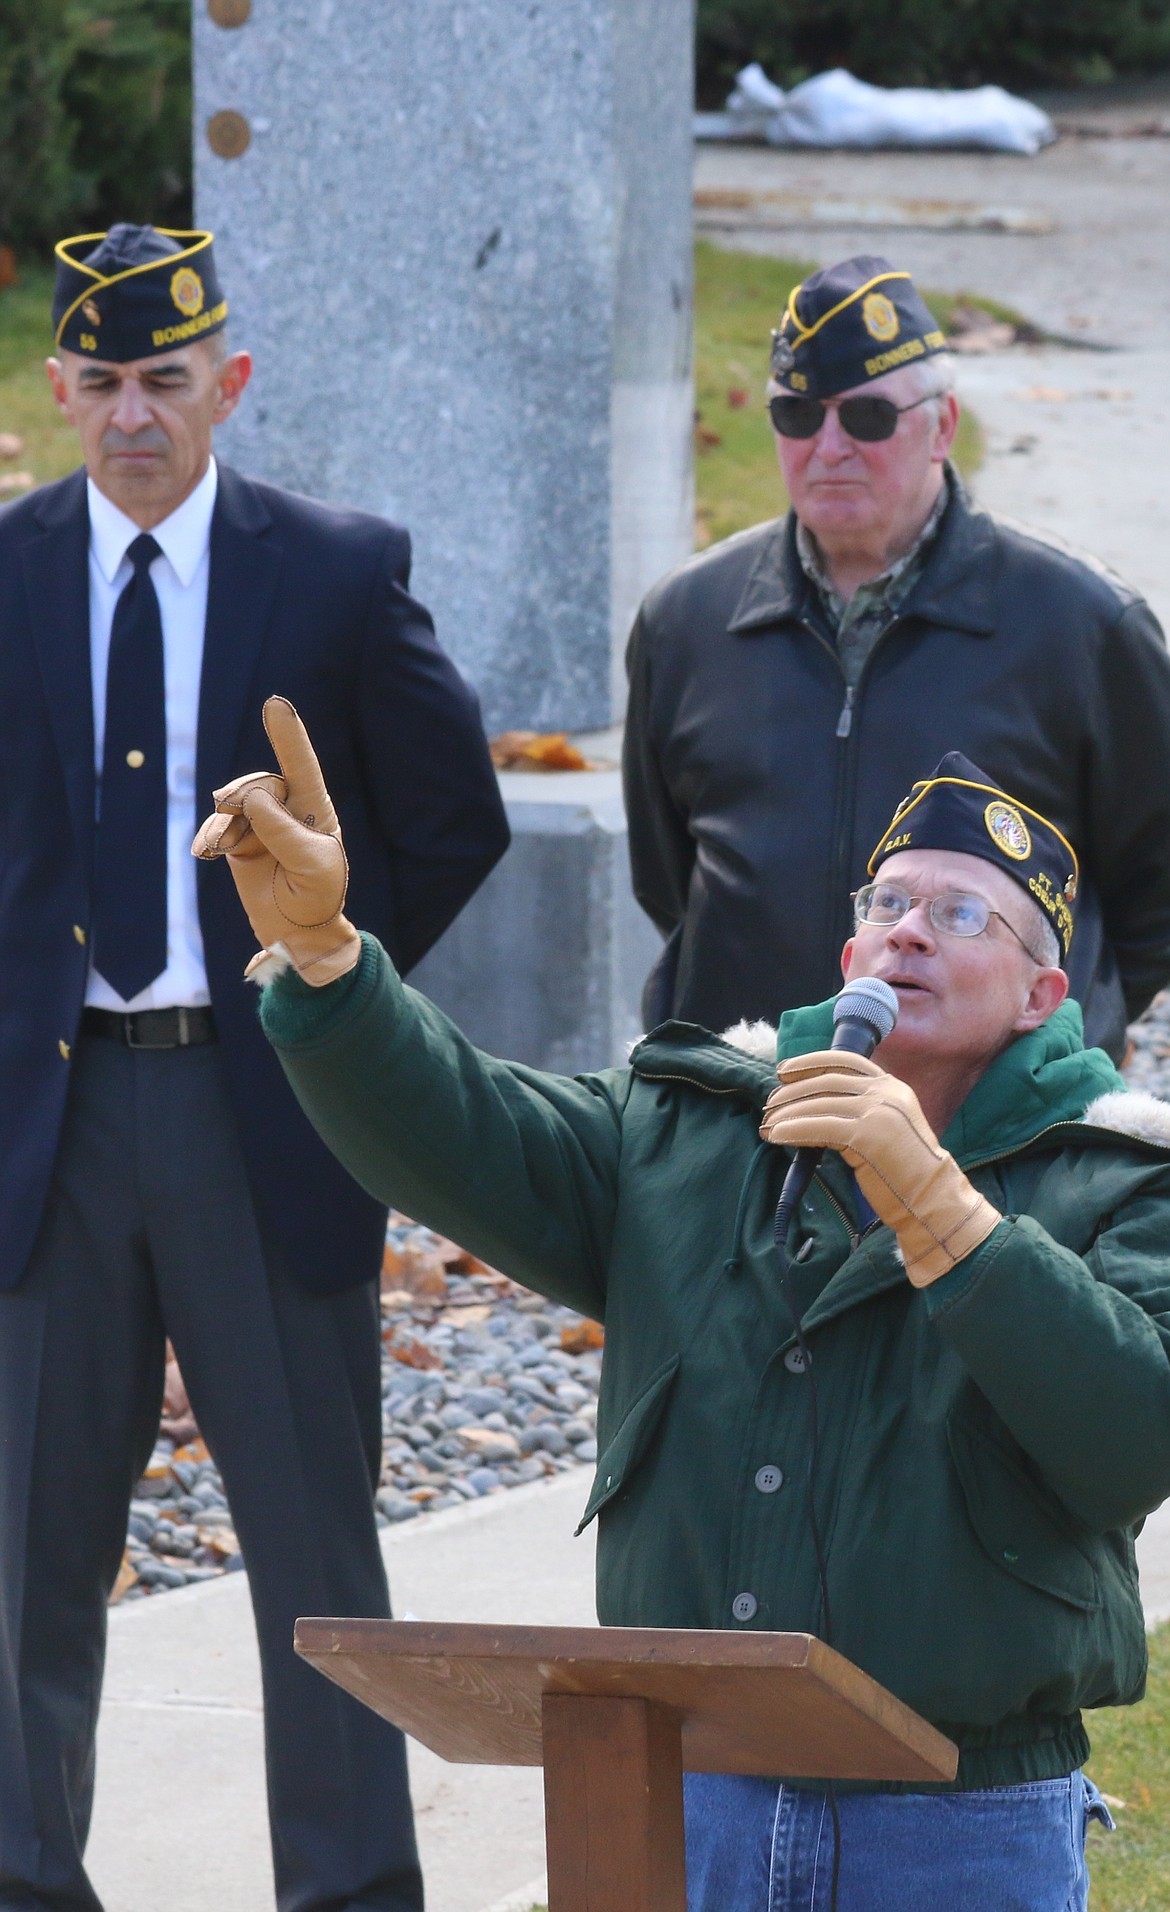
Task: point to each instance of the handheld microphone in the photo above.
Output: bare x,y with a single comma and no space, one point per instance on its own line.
864,1014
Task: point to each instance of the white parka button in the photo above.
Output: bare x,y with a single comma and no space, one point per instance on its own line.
768,1479
745,1606
794,1361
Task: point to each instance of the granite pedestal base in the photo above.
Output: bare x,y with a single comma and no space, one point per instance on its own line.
546,963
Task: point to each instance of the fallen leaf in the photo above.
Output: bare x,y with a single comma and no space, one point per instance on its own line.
492,1443
580,1336
8,273
195,1450
422,1273
464,1314
536,750
391,1267
1046,394
394,1300
414,1354
220,1541
457,1260
11,445
422,1493
988,338
127,1578
706,438
17,481
737,398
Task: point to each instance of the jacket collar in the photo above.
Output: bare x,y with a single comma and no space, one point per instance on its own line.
1047,1080
182,537
682,1052
955,588
245,564
56,571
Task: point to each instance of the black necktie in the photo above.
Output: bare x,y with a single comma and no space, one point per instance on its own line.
130,874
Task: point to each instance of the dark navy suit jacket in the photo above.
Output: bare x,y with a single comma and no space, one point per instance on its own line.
306,601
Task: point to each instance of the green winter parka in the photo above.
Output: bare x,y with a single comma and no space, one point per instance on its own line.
987,1446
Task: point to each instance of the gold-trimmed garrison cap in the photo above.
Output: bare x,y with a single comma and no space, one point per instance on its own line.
849,323
960,808
135,291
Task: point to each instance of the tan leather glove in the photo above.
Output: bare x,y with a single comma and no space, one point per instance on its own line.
284,850
838,1101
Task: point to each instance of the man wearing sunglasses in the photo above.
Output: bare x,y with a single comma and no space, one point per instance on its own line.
976,1403
786,684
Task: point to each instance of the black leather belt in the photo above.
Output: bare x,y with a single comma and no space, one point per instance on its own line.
150,1028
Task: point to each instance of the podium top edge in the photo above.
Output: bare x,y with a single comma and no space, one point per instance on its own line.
386,1657
696,1646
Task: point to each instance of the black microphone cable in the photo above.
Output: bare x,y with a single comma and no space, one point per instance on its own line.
863,1015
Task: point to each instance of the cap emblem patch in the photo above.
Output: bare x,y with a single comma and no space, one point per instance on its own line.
879,317
187,292
91,312
1008,831
783,356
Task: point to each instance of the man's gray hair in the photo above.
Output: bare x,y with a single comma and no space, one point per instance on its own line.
933,377
1041,938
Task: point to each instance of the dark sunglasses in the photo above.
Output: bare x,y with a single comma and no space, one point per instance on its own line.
867,419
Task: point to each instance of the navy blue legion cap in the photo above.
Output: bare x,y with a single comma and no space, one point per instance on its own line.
135,291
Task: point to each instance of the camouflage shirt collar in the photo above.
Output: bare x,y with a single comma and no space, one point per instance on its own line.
883,593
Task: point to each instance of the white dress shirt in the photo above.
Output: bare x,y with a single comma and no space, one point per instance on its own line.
180,581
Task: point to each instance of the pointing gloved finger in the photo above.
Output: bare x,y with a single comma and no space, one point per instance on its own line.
307,796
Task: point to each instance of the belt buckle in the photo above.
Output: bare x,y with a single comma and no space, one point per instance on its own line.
132,1016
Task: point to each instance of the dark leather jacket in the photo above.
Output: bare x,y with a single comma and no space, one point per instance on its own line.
757,787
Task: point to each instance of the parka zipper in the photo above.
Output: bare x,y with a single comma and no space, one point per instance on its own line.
669,1075
846,774
846,1222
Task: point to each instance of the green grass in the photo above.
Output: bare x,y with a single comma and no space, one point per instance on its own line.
1130,1868
739,297
26,403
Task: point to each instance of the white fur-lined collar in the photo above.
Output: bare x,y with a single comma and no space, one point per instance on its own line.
753,1039
1133,1112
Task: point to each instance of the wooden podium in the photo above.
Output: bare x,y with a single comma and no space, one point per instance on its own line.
616,1715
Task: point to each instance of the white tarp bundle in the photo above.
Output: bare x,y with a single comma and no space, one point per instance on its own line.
834,109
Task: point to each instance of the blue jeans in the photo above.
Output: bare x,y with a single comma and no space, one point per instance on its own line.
756,1846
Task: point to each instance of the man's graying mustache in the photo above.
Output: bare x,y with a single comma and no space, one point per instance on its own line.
150,438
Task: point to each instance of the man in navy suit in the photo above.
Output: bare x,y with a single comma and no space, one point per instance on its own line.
156,1176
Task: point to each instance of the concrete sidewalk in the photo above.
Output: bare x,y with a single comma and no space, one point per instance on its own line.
180,1818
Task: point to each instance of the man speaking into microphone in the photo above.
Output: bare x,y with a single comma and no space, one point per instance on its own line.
974,1290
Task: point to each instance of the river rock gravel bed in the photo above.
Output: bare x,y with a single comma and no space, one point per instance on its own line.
1148,1063
485,1386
